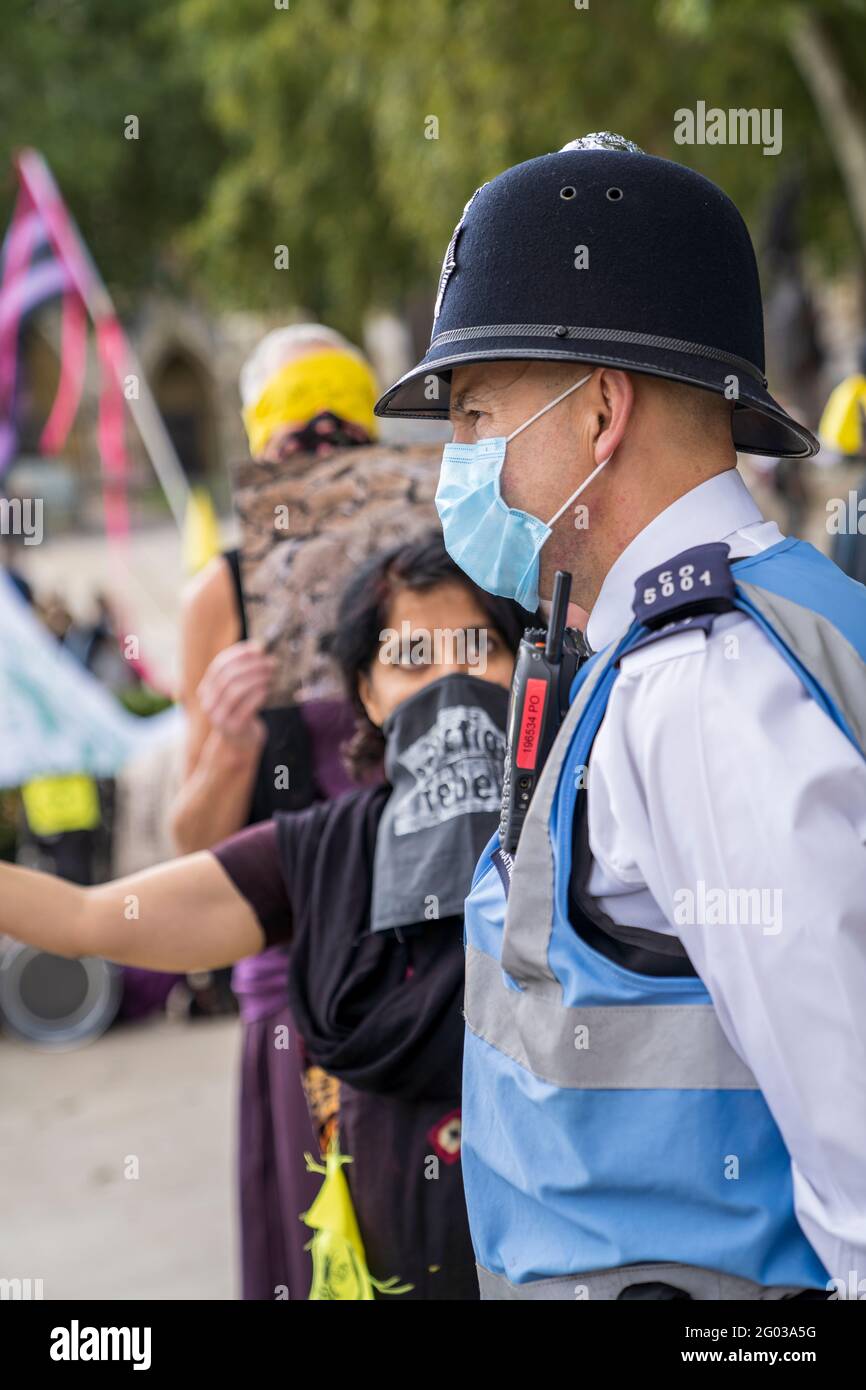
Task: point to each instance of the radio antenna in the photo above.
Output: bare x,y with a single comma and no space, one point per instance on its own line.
558,615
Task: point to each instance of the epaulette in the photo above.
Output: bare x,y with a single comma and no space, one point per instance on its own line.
689,591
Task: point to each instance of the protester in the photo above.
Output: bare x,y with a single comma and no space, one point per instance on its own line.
234,748
369,889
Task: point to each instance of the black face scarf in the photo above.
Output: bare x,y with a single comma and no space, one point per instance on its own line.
379,1010
324,433
444,756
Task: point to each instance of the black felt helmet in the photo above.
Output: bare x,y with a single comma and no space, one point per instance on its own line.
603,254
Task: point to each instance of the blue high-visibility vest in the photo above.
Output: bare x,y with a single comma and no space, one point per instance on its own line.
607,1121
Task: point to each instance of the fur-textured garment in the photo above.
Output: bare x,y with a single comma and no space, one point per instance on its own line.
307,523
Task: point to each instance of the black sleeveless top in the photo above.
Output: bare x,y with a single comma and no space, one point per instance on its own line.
287,746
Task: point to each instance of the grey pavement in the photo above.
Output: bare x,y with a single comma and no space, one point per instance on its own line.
72,1125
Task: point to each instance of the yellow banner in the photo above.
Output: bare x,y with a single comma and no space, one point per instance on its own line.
55,804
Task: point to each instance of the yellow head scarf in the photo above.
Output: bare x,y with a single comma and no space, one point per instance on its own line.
330,380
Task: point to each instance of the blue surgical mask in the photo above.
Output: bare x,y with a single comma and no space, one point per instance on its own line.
496,545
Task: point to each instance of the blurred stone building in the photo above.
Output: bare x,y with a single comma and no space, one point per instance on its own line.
191,360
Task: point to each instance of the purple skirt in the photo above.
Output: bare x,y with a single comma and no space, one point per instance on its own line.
275,1187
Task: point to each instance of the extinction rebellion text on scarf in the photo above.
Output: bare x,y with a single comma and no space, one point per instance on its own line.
76,1343
444,758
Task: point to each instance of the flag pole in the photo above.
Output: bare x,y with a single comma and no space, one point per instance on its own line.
40,184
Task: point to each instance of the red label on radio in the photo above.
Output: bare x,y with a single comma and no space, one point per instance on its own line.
530,724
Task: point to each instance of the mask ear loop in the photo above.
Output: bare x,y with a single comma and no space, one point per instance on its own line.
574,496
531,421
550,404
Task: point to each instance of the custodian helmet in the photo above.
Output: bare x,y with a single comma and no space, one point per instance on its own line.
603,254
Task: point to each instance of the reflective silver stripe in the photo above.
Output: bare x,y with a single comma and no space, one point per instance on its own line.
563,332
529,918
823,649
666,1047
601,1284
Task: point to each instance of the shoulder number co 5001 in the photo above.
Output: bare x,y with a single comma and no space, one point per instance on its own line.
668,583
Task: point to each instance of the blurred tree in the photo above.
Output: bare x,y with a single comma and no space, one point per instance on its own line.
74,71
818,48
328,110
351,132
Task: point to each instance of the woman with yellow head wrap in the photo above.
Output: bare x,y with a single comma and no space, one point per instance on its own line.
308,380
307,402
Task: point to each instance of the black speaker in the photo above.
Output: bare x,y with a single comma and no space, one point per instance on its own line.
54,1002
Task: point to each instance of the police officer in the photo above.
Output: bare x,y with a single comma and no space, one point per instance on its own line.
665,1064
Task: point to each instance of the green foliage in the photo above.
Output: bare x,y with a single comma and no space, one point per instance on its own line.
73,71
144,701
305,127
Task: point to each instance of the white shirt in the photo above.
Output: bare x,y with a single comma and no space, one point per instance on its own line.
714,770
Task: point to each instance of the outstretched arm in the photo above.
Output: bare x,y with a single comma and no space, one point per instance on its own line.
182,916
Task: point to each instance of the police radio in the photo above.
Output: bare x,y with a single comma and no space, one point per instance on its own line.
545,668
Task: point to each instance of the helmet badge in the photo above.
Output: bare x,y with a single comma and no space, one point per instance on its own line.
603,140
450,261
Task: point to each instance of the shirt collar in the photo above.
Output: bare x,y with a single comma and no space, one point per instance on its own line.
709,512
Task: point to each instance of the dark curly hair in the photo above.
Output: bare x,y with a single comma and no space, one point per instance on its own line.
419,564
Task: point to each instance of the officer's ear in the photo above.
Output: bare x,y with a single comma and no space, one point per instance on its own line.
615,391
